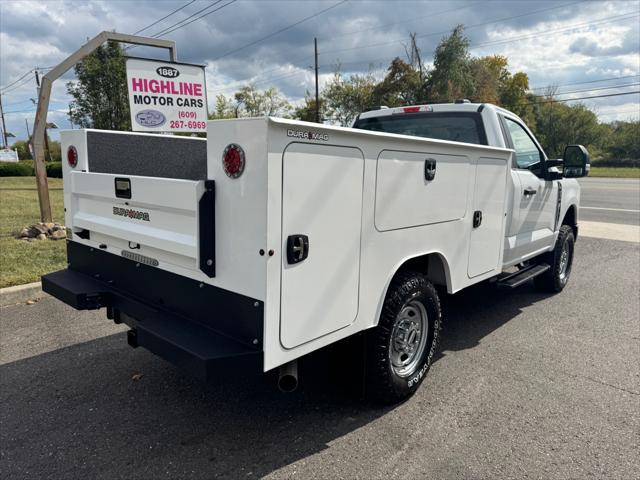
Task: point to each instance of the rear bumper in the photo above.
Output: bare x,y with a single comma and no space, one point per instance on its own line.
202,329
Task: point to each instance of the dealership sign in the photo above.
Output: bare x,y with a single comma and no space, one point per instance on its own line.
8,155
166,96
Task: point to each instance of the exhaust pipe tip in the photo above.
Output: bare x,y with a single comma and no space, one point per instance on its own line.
288,383
288,377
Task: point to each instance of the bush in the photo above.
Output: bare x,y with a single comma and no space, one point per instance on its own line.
54,169
24,168
614,162
16,169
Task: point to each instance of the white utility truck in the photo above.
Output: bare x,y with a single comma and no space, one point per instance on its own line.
273,238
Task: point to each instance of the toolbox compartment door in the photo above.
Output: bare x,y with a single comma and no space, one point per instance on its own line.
407,197
489,198
322,202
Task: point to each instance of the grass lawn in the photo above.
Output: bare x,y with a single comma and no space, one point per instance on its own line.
615,172
21,261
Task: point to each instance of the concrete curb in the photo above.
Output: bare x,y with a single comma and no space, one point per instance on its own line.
20,294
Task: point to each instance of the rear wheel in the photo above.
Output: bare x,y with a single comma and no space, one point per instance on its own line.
401,348
561,261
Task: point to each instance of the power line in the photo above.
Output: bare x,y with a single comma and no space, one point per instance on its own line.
15,87
165,17
513,39
619,112
597,89
293,62
16,103
615,18
34,111
284,29
424,35
584,83
182,23
357,31
15,81
535,102
410,20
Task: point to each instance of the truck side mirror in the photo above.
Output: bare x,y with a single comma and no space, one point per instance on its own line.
575,162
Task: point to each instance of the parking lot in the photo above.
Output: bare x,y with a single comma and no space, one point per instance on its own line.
527,385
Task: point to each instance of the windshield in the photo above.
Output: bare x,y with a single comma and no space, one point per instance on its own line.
457,127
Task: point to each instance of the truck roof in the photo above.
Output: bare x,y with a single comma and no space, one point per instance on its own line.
435,107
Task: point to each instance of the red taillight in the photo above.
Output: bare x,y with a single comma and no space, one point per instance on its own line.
411,109
233,160
72,156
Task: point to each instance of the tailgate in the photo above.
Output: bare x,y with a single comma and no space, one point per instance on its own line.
156,221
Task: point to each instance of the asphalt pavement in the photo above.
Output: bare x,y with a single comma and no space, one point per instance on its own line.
527,385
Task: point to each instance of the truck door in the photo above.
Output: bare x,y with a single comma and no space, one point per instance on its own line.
534,208
321,223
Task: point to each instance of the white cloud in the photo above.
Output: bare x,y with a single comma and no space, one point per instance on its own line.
43,33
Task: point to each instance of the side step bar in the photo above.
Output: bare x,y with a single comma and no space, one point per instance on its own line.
520,277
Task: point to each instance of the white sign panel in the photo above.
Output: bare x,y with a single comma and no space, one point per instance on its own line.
8,155
166,96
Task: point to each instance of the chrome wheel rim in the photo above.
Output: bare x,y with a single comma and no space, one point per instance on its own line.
408,338
565,256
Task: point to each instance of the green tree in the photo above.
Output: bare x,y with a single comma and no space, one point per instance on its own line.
307,111
345,98
22,147
402,85
252,102
623,141
225,108
559,125
451,77
100,98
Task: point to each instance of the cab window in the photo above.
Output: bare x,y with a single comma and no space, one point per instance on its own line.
527,152
464,127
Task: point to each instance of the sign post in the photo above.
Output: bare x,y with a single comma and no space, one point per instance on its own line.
45,93
166,96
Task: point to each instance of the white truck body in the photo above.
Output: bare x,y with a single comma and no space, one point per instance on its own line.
362,198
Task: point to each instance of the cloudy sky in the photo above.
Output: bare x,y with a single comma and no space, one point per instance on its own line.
584,48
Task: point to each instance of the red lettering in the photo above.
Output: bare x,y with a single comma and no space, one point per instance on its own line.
173,89
186,89
153,86
197,90
138,85
165,86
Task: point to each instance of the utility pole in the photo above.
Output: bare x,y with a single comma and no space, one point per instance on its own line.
315,48
4,127
46,136
70,118
26,124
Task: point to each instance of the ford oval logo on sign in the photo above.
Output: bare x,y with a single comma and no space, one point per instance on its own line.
150,118
168,72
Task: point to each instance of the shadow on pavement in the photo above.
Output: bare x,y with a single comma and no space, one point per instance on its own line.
77,412
475,312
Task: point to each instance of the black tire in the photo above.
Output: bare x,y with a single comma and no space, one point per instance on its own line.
384,382
556,278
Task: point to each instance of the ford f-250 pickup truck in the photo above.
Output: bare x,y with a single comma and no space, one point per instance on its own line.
274,238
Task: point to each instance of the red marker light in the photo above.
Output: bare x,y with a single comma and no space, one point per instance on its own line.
72,156
411,109
233,160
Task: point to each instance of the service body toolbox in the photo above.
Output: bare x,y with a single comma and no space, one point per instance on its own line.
274,238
